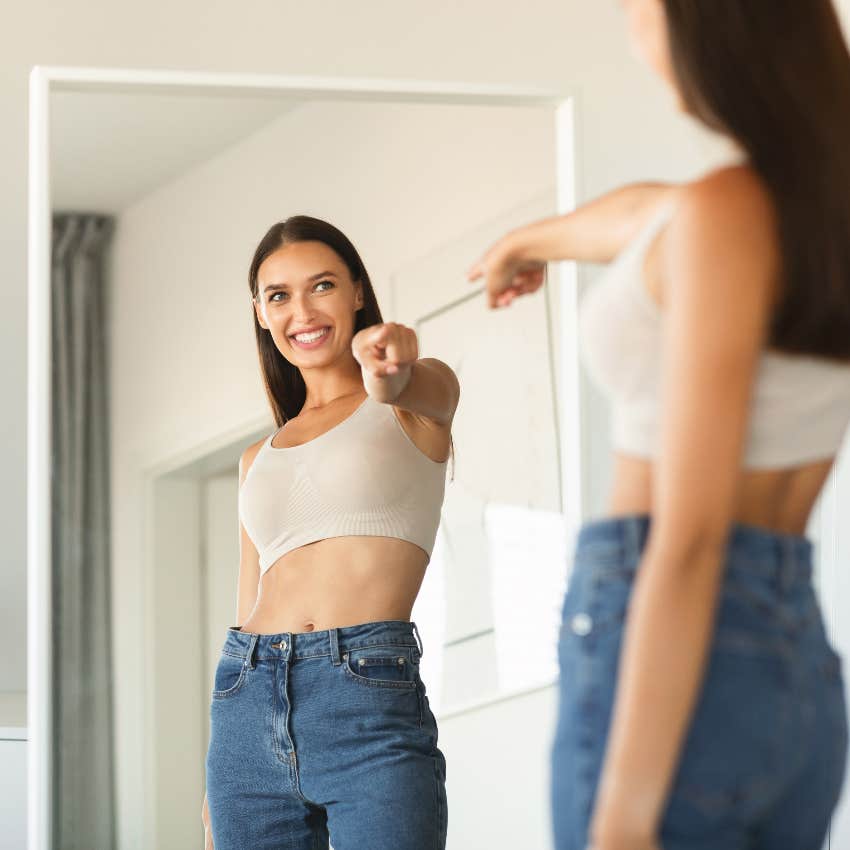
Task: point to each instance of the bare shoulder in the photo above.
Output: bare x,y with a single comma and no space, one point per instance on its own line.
247,458
724,228
730,201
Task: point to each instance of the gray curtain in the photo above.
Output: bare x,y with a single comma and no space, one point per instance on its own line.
83,770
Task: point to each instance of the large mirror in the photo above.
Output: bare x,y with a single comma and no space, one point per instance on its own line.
150,194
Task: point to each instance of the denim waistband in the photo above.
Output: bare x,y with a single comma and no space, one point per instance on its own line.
326,642
760,551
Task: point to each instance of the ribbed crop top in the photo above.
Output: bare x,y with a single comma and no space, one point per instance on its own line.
800,406
364,476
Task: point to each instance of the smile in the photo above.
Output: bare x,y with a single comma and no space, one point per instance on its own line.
312,339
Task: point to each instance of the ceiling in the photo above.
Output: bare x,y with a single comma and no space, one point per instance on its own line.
108,150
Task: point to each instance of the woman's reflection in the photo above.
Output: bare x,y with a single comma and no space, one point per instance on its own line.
320,722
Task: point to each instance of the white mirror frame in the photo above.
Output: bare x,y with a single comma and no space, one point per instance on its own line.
43,81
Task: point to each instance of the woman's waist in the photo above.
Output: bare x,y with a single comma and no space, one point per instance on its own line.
778,499
333,640
330,586
778,562
766,596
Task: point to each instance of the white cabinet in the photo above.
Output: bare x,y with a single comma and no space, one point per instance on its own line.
13,788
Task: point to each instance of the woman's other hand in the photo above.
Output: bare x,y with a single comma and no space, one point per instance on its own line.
205,819
505,275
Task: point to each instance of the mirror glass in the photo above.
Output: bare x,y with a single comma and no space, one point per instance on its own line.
159,200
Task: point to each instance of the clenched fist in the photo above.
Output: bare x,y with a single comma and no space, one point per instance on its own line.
385,349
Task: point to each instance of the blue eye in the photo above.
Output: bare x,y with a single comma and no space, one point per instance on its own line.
330,283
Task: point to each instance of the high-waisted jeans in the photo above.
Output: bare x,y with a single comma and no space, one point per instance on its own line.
326,734
763,760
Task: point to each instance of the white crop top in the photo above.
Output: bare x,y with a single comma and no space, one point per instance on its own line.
364,476
800,405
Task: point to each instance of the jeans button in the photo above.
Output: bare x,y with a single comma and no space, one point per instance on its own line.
582,624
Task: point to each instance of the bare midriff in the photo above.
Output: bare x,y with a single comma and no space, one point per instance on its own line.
336,582
776,500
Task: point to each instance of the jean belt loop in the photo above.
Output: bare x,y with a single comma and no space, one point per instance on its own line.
418,639
250,658
631,539
334,641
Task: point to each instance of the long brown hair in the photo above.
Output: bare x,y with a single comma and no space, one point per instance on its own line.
285,385
775,76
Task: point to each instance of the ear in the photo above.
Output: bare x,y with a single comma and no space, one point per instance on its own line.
259,313
358,295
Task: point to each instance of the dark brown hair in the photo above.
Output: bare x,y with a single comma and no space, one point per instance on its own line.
775,76
285,387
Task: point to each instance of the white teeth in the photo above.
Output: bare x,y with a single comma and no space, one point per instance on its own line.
311,337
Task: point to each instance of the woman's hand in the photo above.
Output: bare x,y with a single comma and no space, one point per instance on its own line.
386,354
506,275
205,819
385,349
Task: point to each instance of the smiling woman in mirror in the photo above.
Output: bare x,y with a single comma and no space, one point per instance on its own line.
320,723
700,703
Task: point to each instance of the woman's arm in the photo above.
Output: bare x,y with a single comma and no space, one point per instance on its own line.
249,559
393,373
721,262
596,232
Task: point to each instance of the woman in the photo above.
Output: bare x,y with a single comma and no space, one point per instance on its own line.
701,705
320,723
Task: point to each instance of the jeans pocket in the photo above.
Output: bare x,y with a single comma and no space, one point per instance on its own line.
392,666
230,675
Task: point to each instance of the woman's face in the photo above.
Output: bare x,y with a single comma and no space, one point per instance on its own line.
305,287
647,23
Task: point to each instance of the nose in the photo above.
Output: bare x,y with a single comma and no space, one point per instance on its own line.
302,309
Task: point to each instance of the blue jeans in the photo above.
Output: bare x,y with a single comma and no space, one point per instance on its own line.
763,760
324,734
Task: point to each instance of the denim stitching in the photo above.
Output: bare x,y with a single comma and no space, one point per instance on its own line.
376,683
236,685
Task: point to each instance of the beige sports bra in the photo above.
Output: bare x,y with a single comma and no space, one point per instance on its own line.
364,476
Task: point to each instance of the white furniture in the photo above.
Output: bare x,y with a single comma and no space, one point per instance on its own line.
13,787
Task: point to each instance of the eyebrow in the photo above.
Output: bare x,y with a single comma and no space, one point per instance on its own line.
274,286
